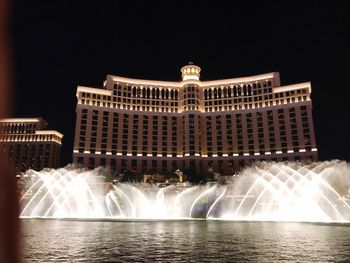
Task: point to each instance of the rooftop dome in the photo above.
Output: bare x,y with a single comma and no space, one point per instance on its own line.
190,72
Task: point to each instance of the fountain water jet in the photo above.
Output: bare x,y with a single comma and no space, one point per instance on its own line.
266,191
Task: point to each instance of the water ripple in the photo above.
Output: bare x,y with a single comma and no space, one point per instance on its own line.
184,241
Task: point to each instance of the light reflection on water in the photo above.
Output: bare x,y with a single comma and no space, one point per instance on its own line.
185,241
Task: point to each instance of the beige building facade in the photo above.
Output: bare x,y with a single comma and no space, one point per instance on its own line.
216,126
28,144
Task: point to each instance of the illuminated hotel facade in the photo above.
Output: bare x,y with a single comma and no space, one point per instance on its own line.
28,144
219,126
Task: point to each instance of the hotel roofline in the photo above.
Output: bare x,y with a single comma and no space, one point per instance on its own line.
42,134
138,82
24,120
177,84
50,132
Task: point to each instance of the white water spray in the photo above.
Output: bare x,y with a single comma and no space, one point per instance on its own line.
317,192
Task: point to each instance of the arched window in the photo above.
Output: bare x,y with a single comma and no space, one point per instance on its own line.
205,94
224,91
215,93
138,92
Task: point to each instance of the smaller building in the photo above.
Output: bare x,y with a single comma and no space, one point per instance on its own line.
28,144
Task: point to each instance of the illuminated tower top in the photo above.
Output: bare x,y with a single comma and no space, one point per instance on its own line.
190,72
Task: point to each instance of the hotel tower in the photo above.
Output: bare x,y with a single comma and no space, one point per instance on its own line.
216,126
28,144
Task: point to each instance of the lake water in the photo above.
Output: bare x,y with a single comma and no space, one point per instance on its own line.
183,241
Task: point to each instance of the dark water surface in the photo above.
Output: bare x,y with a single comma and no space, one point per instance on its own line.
184,241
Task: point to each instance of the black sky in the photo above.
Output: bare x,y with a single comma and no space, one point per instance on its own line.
58,45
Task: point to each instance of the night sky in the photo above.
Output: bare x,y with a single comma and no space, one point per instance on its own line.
58,45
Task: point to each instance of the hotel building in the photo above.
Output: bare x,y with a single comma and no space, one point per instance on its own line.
28,145
219,126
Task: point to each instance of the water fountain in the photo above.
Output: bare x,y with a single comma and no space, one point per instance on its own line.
316,192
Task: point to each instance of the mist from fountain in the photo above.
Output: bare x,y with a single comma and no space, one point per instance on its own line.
267,191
